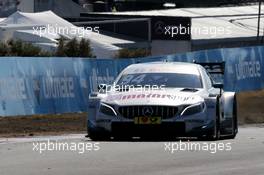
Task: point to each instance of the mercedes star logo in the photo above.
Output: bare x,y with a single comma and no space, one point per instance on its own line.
159,27
147,111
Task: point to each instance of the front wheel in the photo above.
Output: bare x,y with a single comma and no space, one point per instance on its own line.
235,124
98,135
215,133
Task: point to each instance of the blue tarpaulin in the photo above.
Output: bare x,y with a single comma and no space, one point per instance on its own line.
61,85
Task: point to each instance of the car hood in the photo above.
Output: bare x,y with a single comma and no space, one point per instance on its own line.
168,97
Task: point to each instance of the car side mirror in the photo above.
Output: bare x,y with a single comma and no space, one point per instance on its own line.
218,85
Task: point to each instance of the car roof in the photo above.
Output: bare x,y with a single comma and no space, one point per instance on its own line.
163,67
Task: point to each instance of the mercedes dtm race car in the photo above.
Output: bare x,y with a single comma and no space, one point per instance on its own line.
161,100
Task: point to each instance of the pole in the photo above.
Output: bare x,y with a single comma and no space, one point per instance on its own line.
259,20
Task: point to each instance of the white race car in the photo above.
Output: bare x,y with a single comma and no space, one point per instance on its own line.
163,100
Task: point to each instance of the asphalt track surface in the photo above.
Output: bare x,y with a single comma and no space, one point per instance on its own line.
245,158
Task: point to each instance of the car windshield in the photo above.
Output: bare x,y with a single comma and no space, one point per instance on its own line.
168,80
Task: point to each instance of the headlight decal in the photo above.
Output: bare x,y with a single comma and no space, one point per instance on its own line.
193,109
107,110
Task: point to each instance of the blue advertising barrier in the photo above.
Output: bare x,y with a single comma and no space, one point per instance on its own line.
61,85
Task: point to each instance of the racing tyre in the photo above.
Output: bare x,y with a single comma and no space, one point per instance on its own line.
215,133
235,125
98,135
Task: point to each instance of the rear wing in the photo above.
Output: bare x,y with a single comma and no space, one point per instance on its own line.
213,68
217,71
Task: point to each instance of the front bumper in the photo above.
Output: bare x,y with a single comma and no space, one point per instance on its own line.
165,129
190,126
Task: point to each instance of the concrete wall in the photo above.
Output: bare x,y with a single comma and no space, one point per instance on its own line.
63,8
164,47
26,6
7,7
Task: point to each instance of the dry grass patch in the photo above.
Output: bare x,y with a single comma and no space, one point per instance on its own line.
251,107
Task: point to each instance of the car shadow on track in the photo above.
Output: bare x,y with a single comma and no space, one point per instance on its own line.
151,139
